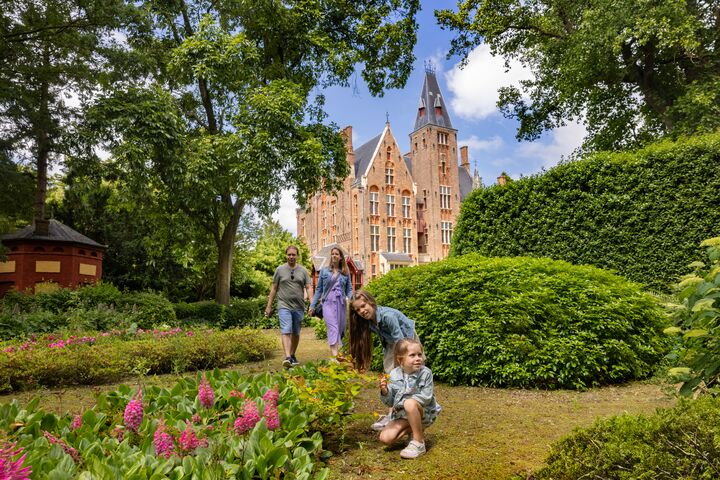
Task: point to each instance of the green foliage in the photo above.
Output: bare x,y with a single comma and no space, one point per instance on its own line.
699,324
318,325
99,359
632,71
16,193
200,312
148,309
674,443
527,322
101,447
640,214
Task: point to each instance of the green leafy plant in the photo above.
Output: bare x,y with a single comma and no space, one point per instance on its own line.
698,323
638,213
679,442
528,322
171,434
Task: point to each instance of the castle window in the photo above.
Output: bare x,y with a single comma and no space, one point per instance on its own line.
389,176
443,164
390,239
445,197
446,232
406,206
374,203
407,240
374,238
334,217
390,205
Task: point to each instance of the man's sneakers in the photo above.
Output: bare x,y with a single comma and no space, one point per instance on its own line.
290,361
413,450
381,423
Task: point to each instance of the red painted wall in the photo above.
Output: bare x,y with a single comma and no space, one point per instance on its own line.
70,257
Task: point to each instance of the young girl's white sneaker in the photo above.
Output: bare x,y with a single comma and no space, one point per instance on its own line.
413,450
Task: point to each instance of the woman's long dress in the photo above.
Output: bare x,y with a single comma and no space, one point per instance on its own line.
335,314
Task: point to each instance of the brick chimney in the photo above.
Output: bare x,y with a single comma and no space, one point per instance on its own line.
464,158
42,227
350,152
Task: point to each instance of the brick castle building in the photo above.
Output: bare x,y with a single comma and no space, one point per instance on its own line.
395,209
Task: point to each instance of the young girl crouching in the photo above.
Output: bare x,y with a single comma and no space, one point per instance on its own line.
409,391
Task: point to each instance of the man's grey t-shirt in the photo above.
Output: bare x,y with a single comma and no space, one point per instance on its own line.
290,286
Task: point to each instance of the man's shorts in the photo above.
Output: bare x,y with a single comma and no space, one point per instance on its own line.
290,321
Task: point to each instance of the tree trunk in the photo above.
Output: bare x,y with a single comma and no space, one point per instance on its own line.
226,248
42,141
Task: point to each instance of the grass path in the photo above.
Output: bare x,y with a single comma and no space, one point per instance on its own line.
482,433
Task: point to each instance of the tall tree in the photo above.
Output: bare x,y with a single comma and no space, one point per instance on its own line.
229,120
632,70
53,53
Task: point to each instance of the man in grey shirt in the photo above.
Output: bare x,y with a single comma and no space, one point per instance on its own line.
291,283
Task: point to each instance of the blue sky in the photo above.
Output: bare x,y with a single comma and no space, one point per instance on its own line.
471,94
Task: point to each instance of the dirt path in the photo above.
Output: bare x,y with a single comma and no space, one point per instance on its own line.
482,433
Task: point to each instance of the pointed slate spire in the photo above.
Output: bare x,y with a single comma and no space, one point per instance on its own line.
431,95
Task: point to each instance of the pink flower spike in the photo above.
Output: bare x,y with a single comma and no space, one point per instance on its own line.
205,393
134,413
76,423
249,418
164,444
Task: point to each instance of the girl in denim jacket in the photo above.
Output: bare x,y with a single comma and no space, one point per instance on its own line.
409,391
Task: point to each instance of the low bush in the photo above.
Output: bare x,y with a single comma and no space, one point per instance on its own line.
528,322
246,312
318,325
207,312
674,443
50,361
224,426
148,309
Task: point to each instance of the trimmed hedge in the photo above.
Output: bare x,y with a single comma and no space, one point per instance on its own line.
528,322
674,443
114,359
641,214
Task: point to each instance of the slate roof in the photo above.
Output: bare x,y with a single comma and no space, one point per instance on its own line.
364,154
466,182
408,163
429,99
57,232
397,257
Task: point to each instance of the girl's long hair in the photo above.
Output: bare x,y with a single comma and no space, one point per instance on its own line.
360,334
343,264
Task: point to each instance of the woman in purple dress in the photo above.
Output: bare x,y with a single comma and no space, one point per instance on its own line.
333,289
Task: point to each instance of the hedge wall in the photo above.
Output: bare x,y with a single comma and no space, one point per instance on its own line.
641,214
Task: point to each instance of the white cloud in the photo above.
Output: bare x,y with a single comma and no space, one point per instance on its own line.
563,141
286,214
474,87
475,144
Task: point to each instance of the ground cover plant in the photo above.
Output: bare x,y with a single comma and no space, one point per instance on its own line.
639,213
96,358
218,425
678,442
528,322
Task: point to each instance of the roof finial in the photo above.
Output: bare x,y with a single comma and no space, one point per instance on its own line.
387,118
429,67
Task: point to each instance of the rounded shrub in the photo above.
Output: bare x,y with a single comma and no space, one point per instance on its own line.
148,308
679,442
528,322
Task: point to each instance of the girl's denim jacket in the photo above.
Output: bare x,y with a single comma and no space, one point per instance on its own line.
324,280
417,386
392,325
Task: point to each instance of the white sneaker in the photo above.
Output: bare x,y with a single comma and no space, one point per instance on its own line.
413,450
381,423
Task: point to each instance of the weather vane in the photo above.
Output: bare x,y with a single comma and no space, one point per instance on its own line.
387,117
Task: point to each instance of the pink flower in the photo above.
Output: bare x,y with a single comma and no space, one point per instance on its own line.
190,333
11,463
134,413
76,423
271,416
249,418
189,441
196,418
271,396
236,394
206,394
67,448
164,445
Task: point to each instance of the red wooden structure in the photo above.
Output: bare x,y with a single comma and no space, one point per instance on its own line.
46,255
322,259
